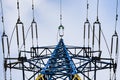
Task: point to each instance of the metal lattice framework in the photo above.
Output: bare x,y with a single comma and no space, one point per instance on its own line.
60,62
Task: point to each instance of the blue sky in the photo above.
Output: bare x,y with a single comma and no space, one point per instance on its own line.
47,17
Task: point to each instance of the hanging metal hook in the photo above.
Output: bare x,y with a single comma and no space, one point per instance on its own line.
18,25
97,25
112,40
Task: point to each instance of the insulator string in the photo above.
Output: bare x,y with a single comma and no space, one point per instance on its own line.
4,36
86,27
61,27
34,26
97,22
26,36
115,43
18,23
31,27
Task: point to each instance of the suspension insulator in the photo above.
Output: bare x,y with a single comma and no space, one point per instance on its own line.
61,30
86,33
5,44
19,25
114,50
34,33
76,77
114,43
96,42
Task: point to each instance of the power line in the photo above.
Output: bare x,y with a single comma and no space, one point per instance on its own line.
18,8
33,9
116,20
2,15
87,10
61,12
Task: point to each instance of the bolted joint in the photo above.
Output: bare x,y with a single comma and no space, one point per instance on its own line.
115,67
5,65
22,59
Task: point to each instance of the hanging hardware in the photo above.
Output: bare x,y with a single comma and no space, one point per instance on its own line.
61,30
18,8
19,24
114,43
87,27
61,27
34,26
97,36
5,40
114,37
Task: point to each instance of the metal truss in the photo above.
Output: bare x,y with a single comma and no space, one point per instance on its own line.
59,62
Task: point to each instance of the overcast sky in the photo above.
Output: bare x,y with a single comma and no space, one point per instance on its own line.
47,17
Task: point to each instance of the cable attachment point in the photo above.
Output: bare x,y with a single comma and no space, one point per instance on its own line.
61,30
116,17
